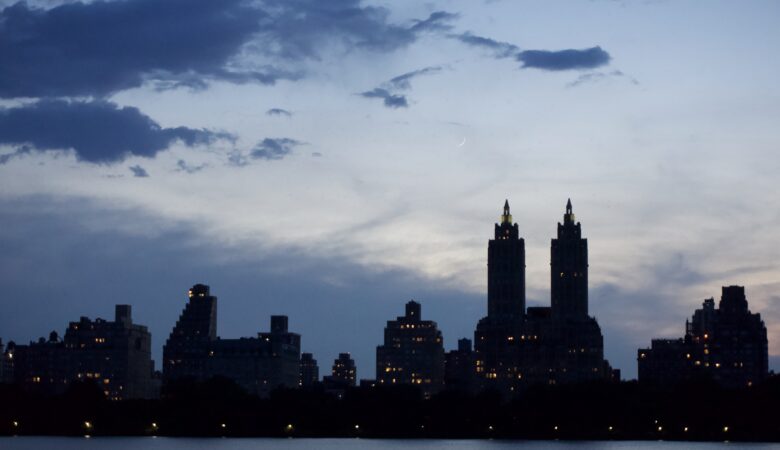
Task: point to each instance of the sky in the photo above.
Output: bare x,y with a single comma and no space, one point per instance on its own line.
332,160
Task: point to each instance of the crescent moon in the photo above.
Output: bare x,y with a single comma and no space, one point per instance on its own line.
462,143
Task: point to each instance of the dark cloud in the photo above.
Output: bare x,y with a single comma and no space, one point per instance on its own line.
571,59
388,90
298,29
498,48
274,148
98,131
594,77
316,154
390,100
183,166
138,171
102,47
278,112
403,81
97,48
437,21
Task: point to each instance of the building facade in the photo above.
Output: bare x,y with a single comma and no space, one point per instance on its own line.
412,353
115,355
516,347
727,344
310,371
459,368
258,364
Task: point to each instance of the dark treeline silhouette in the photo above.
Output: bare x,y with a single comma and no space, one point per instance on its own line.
696,410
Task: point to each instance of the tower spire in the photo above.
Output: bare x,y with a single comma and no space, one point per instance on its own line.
569,216
507,216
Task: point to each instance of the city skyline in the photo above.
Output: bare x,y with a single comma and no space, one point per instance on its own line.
330,163
505,306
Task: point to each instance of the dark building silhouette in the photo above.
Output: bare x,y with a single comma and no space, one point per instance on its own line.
343,375
7,362
115,355
459,374
310,371
344,372
259,364
516,347
412,353
727,344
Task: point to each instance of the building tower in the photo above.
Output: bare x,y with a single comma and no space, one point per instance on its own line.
569,270
310,371
506,270
412,353
191,336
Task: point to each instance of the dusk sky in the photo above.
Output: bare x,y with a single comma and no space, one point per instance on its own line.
331,160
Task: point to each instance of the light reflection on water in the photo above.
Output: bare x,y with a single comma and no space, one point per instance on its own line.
130,443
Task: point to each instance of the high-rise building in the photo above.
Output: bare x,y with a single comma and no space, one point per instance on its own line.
727,344
569,270
257,364
412,353
459,369
344,372
310,371
515,347
506,270
115,355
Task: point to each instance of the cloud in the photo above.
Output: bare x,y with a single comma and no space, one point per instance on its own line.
387,91
138,171
594,77
570,59
98,131
390,100
101,47
183,166
498,48
278,112
274,148
403,81
298,29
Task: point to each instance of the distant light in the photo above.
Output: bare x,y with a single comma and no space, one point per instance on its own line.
357,427
87,424
154,425
555,428
222,425
490,427
15,424
725,429
289,428
610,428
660,428
685,429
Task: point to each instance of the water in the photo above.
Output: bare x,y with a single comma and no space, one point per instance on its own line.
150,443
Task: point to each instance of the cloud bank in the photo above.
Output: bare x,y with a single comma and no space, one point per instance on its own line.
98,131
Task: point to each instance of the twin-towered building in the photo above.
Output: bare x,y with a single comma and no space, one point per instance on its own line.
517,346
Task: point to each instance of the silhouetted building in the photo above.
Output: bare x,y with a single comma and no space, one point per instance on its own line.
516,347
459,368
259,364
727,344
7,362
413,352
310,371
115,355
343,375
